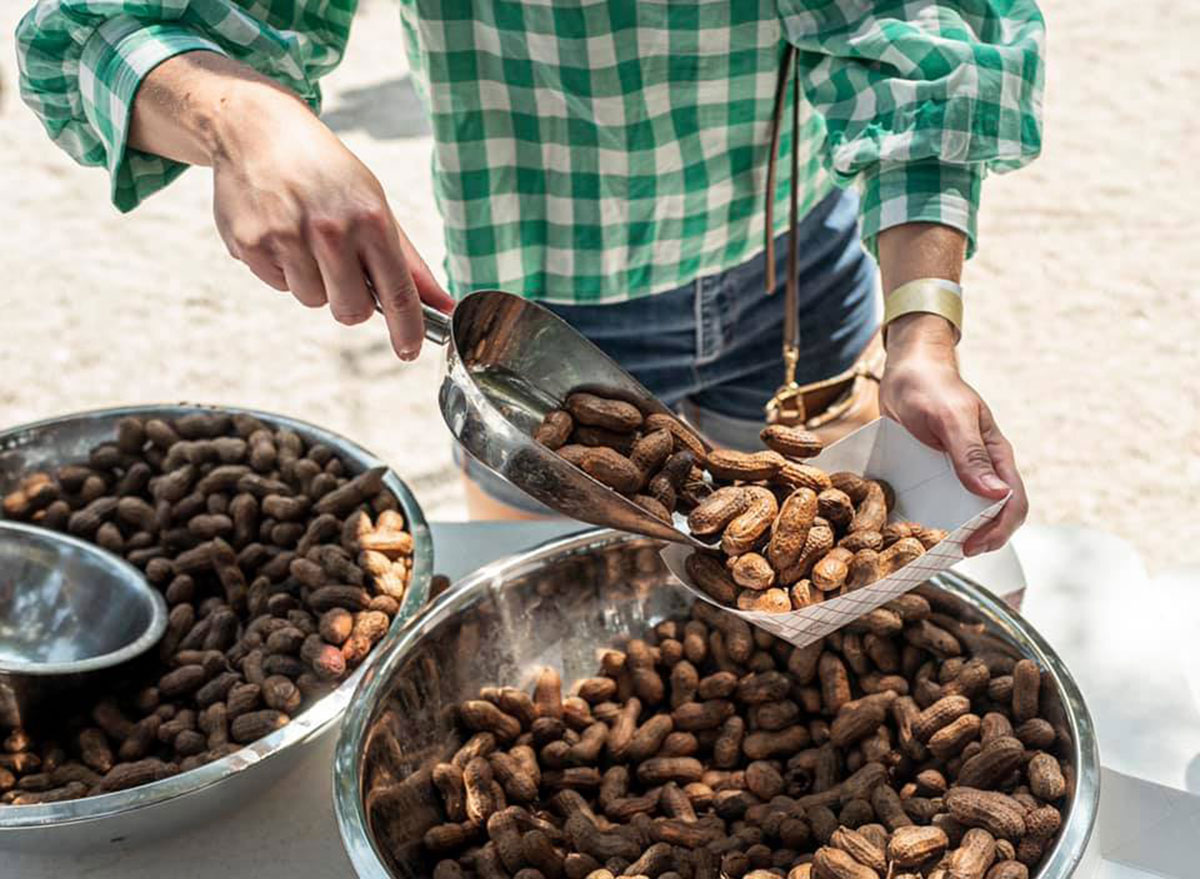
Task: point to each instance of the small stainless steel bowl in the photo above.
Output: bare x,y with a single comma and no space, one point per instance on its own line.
154,810
561,605
69,611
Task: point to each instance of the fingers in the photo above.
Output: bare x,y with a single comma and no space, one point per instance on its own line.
256,256
397,293
267,270
1013,514
303,277
328,236
428,288
341,270
962,438
940,410
337,261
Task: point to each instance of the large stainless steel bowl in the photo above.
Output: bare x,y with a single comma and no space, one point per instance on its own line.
560,605
154,809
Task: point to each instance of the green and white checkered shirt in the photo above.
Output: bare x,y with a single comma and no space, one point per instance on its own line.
601,150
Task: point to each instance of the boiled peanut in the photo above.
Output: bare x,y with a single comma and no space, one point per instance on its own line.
752,571
732,465
995,812
953,737
835,505
572,453
912,846
793,442
830,572
555,429
864,569
596,437
795,475
685,439
611,468
1045,777
832,863
481,716
789,531
898,555
1035,733
651,451
718,510
1009,869
744,532
765,601
861,848
480,800
818,542
835,684
871,514
654,507
711,577
1027,682
601,412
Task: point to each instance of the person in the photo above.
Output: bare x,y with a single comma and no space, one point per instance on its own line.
607,159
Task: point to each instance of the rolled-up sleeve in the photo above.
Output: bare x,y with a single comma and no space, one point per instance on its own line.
921,100
82,62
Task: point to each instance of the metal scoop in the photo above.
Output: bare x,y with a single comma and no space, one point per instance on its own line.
69,612
509,362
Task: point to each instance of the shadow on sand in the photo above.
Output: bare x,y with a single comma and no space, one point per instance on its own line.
387,110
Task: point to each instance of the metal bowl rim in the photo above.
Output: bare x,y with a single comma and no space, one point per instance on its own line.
348,803
145,594
305,726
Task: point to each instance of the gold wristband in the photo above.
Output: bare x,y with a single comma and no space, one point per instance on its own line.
928,296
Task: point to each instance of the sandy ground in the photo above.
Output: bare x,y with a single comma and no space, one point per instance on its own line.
1082,315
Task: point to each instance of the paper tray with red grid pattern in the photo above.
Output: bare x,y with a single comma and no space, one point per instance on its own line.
927,491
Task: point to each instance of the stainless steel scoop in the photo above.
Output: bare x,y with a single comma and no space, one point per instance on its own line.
509,362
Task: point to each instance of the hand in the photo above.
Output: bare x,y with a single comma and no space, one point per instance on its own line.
307,216
290,200
923,390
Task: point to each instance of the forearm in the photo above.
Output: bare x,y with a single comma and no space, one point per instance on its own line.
920,250
188,106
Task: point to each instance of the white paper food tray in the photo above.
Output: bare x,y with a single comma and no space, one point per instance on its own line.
927,491
1143,831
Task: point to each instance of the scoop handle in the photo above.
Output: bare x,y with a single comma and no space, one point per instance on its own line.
437,324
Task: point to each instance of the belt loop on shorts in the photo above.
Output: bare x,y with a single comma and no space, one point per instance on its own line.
708,320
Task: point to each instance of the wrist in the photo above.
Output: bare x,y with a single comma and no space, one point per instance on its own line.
926,320
201,106
927,337
234,122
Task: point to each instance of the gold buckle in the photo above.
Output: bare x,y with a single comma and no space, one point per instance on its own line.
787,405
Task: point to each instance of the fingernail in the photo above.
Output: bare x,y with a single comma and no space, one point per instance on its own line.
992,482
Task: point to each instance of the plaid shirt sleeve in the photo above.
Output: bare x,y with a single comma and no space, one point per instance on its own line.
920,100
82,62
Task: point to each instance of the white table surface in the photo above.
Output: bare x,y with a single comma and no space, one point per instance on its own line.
1130,640
1121,633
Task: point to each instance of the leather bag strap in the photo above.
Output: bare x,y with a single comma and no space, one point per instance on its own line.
791,317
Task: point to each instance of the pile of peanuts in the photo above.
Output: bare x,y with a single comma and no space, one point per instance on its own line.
651,459
281,571
786,534
711,750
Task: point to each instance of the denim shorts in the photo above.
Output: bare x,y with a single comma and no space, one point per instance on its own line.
711,349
